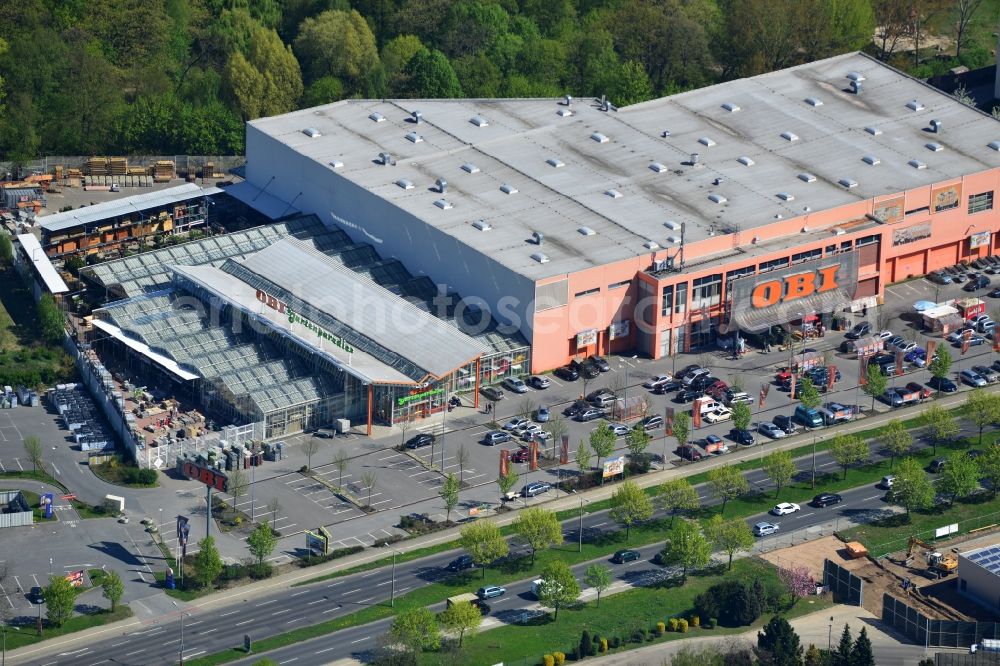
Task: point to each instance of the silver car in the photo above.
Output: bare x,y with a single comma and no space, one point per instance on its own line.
771,430
989,374
972,378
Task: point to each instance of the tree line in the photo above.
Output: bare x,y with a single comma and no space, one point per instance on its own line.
181,76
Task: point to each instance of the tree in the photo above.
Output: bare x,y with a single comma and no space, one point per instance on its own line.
338,44
630,505
741,416
525,407
368,480
265,80
959,478
484,543
449,493
583,455
686,546
798,580
893,20
50,319
813,656
682,428
340,460
462,458
727,483
983,409
848,450
506,482
33,449
780,468
841,655
557,427
964,12
461,617
598,577
237,487
989,467
6,249
862,653
558,588
430,75
632,85
310,447
539,528
729,536
942,424
395,56
808,393
207,563
415,630
637,440
112,588
875,382
274,506
896,439
262,542
940,365
602,441
677,495
60,597
779,644
912,489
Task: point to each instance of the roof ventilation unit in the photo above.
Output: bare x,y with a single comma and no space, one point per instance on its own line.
469,167
482,225
442,185
443,204
657,167
874,131
779,216
414,137
614,194
385,159
586,231
416,117
995,145
812,101
405,184
567,100
806,177
694,159
914,105
664,134
538,237
479,121
605,104
745,161
705,141
508,189
336,164
855,76
554,162
934,147
917,164
856,87
838,231
717,198
806,209
599,138
789,136
673,240
540,257
730,107
848,183
673,226
311,132
786,196
717,181
376,117
936,125
651,245
871,159
565,113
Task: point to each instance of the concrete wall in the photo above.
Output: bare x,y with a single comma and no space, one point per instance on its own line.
18,519
979,584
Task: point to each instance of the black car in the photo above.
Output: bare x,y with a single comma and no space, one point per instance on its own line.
484,608
36,596
826,499
741,436
703,382
683,372
576,407
688,453
860,330
599,363
687,396
567,373
584,368
491,393
786,423
942,384
976,282
667,387
994,293
625,556
418,441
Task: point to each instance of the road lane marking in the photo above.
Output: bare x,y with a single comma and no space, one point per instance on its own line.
284,610
129,654
264,603
313,603
304,592
229,613
361,639
240,624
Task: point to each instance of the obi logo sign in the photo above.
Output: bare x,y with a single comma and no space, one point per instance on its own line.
791,287
209,477
295,318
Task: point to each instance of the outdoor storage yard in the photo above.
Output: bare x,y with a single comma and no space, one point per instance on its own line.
934,598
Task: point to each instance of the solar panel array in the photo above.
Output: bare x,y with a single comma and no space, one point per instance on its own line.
988,558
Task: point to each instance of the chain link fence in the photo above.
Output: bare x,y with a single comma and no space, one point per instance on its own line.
966,526
182,163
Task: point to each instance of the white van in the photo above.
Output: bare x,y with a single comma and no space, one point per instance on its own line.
709,405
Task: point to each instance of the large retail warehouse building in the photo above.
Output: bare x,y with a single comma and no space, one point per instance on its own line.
591,229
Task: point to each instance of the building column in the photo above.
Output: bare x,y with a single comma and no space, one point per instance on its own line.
371,391
475,385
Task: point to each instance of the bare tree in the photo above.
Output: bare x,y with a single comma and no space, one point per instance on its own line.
892,18
274,506
33,449
462,457
557,427
964,12
525,407
368,480
237,486
340,459
310,447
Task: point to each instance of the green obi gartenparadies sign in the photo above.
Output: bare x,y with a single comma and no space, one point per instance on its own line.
322,333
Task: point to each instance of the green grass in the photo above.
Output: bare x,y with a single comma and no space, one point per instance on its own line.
24,360
26,635
96,576
87,511
618,615
36,475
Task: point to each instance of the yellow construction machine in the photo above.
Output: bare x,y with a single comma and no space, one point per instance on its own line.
945,563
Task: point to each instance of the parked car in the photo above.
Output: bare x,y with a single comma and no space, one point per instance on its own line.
520,456
538,382
771,430
922,390
719,415
942,384
530,431
36,595
786,423
589,414
594,395
418,441
620,429
494,437
703,382
937,465
652,422
976,282
887,481
714,444
688,452
622,556
741,436
603,401
535,488
687,370
883,335
543,415
599,363
972,378
955,337
584,368
461,563
785,508
490,591
917,357
860,330
764,529
515,424
989,374
566,373
978,319
995,292
733,397
491,393
576,407
667,387
939,278
826,499
895,340
687,395
515,384
690,377
906,347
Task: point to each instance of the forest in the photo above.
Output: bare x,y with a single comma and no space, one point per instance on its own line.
182,76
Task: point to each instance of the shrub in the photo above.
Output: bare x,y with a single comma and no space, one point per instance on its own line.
303,469
575,653
712,623
604,645
616,642
695,621
548,660
673,624
586,645
733,602
559,657
660,628
682,625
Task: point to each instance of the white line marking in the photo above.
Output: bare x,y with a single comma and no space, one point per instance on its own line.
264,603
360,639
240,624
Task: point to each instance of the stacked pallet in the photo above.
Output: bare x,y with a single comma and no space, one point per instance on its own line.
138,171
58,171
96,166
117,166
163,171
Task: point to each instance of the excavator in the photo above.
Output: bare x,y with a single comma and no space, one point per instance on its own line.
945,563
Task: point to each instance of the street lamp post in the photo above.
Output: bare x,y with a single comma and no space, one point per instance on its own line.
392,585
829,635
580,528
180,656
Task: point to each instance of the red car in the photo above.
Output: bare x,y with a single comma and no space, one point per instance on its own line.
715,389
923,390
783,375
520,456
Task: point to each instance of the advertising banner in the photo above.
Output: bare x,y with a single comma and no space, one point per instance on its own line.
619,329
504,462
696,413
966,338
75,578
183,529
316,544
890,211
816,286
899,363
586,338
764,390
46,501
863,370
533,455
931,348
981,239
831,376
946,197
564,452
791,390
210,477
668,419
614,466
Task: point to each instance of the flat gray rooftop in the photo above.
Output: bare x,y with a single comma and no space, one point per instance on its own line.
601,184
125,206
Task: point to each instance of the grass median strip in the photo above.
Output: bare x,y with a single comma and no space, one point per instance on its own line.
23,636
